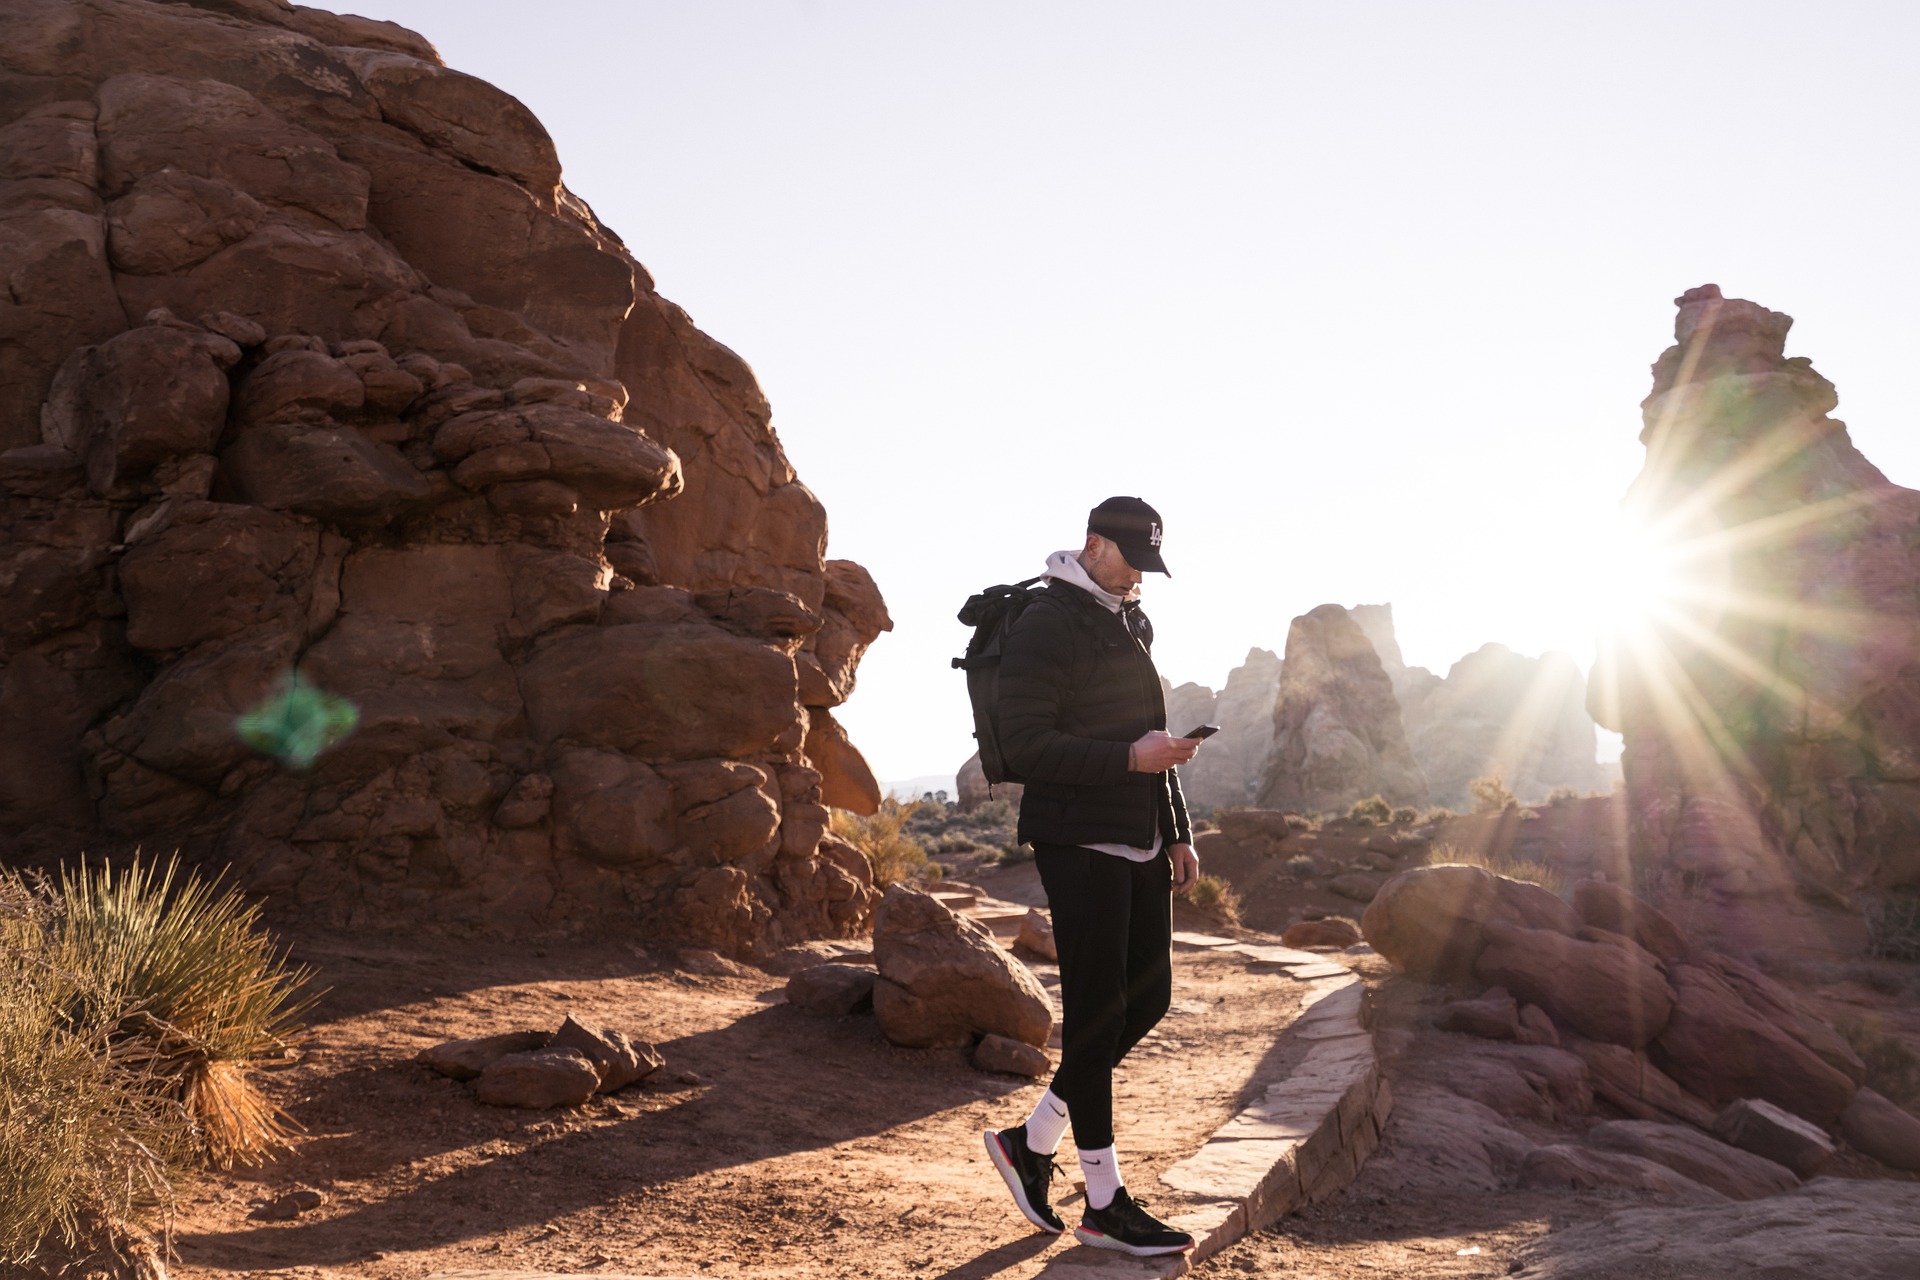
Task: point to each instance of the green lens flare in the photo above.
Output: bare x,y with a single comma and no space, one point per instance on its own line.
297,722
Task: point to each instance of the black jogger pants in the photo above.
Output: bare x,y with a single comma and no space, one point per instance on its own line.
1113,926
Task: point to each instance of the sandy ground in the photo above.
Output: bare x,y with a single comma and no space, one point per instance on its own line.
772,1143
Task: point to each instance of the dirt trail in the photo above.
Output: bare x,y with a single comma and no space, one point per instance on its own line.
773,1142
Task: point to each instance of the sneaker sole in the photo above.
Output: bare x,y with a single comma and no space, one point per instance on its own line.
1100,1240
999,1157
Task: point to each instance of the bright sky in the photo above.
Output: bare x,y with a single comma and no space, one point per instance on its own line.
1360,296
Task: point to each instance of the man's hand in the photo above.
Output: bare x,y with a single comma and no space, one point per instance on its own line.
1159,751
1186,866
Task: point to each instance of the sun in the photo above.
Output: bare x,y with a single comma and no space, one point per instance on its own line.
1644,574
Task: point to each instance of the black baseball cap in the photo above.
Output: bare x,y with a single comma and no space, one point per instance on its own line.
1134,527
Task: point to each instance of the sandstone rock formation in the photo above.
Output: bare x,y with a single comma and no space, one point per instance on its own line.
1500,712
1230,768
1771,711
1496,712
1713,1030
309,361
1337,733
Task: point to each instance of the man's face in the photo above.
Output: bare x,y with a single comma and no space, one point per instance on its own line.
1105,565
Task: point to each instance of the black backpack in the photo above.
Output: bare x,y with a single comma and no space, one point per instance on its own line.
991,614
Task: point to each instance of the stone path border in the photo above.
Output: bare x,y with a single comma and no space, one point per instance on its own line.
1305,1139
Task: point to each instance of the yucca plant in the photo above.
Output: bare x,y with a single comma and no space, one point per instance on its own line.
190,994
76,1145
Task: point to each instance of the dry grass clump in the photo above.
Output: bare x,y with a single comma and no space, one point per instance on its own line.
1491,794
132,1010
1216,898
1499,864
896,856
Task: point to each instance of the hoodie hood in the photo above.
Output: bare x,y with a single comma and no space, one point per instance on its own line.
1065,566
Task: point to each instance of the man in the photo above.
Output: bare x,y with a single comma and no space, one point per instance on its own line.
1082,721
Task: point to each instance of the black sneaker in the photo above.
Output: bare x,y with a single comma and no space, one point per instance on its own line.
1126,1226
1027,1174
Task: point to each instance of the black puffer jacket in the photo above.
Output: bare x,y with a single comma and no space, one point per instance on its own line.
1077,688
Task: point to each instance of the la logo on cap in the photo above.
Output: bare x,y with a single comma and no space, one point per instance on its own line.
1153,533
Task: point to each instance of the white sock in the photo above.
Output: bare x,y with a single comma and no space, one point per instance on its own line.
1102,1171
1046,1124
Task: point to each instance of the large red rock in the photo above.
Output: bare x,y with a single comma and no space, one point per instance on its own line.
1737,1174
1612,991
1728,1040
1883,1130
945,981
307,356
1428,921
846,780
1759,750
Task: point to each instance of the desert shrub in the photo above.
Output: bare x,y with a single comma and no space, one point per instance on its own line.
1299,822
1372,810
1893,926
1405,813
1499,864
72,1140
1012,854
1301,865
1893,1071
1490,794
1438,813
1561,797
132,1009
896,856
192,992
1216,898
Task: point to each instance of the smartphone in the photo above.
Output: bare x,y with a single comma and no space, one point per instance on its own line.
1204,731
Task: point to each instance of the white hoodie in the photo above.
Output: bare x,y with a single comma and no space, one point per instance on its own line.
1065,566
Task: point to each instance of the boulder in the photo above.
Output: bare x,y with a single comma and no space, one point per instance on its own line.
1428,920
1329,931
466,1059
1755,1125
1010,1057
943,979
1877,1127
832,989
1337,733
538,1080
1036,935
1723,1046
618,1059
1564,1167
1736,1174
1608,991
